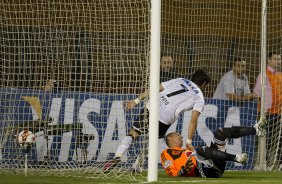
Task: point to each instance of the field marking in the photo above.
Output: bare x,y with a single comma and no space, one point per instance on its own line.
185,181
188,181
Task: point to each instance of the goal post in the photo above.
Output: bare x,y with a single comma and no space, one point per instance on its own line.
261,163
154,90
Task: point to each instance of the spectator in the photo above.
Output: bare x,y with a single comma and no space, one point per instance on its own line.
166,68
234,85
273,104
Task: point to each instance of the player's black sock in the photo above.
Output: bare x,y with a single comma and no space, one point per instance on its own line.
234,132
215,154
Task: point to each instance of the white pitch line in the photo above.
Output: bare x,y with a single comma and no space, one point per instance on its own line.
189,181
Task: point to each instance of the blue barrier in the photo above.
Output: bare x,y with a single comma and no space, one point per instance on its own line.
102,115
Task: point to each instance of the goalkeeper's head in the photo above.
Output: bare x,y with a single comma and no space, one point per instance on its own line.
201,78
174,139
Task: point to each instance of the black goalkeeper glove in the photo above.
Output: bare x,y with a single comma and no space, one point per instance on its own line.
187,168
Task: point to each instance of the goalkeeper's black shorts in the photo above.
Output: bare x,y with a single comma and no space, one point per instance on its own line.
209,172
215,171
141,124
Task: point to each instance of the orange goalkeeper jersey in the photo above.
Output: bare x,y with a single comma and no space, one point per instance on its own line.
173,159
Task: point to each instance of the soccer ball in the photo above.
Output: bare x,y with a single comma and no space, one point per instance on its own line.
26,138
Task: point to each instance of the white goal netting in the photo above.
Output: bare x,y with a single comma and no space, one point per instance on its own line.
214,35
67,66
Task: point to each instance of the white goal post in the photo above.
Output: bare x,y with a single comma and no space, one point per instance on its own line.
261,164
66,67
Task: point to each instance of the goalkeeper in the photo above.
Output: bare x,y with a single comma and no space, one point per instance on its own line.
176,97
204,161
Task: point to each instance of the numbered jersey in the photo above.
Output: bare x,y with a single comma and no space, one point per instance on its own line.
179,95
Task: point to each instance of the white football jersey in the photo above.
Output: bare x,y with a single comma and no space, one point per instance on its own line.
179,95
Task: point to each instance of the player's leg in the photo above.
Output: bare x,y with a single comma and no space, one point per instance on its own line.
162,131
212,162
222,134
139,127
122,148
126,142
216,151
205,153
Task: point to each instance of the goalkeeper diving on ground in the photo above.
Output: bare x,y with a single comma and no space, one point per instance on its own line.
176,96
204,161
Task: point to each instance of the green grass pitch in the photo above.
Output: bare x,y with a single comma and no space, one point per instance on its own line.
229,177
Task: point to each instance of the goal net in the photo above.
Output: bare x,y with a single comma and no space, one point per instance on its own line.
214,35
67,67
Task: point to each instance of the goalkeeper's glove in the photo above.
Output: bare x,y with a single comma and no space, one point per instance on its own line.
187,168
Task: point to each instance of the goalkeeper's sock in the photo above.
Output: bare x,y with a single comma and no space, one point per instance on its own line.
239,131
215,154
123,147
233,132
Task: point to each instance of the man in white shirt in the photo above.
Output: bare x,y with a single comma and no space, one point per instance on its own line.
234,85
176,97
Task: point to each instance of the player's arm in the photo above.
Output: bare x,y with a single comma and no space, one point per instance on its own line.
132,103
192,128
245,97
257,88
230,93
